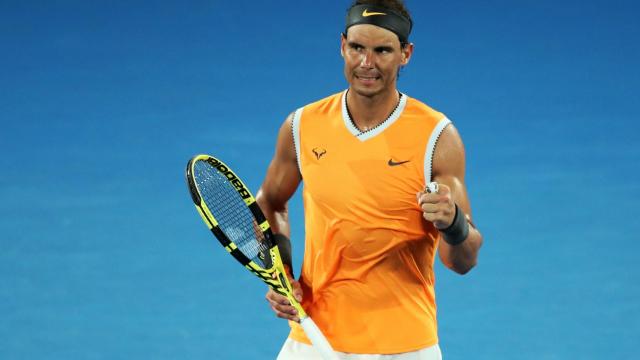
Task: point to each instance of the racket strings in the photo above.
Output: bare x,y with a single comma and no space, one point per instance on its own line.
233,216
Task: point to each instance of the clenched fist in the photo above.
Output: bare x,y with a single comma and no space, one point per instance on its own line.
437,205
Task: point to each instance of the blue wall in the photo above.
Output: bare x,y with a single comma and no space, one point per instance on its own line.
102,255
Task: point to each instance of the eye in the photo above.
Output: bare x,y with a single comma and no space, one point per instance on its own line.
356,47
384,50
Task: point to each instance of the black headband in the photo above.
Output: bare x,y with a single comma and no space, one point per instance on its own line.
380,16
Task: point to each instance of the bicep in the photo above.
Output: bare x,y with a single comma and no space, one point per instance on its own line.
449,166
283,175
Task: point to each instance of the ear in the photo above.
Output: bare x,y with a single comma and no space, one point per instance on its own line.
343,43
407,51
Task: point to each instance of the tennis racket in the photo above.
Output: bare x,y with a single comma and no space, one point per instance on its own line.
233,216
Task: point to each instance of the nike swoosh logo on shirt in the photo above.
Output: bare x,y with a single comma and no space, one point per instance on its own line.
394,163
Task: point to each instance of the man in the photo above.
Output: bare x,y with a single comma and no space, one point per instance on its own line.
365,155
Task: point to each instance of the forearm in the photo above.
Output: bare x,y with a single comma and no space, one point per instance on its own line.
462,257
278,216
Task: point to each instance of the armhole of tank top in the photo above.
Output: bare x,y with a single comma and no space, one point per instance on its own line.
295,130
431,148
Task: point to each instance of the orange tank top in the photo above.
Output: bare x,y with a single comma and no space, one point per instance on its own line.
367,273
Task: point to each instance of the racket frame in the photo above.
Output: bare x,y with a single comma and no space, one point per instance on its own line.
275,277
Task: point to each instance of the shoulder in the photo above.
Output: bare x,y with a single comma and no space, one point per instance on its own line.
324,104
422,111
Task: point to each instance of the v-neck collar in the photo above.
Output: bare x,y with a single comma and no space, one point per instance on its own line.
368,134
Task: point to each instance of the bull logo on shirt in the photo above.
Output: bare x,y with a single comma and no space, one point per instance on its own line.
319,152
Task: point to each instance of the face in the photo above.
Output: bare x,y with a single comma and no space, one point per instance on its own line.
372,58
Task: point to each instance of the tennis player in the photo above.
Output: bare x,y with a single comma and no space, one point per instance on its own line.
372,231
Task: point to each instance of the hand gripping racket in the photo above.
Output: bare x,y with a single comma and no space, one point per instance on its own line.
233,216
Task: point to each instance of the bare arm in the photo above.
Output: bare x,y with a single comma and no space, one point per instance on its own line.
280,183
449,172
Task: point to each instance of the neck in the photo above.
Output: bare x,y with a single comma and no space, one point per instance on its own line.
369,111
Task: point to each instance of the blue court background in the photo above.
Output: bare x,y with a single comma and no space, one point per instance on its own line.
102,255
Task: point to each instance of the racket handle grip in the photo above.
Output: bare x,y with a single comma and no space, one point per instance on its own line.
318,340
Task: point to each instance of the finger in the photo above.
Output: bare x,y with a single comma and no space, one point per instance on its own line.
273,303
438,221
287,316
276,298
441,215
438,215
431,217
442,208
291,318
285,309
279,301
431,208
272,295
297,291
427,198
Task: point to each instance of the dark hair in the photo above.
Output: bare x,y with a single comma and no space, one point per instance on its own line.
396,5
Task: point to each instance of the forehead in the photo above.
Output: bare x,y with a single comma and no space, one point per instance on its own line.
367,34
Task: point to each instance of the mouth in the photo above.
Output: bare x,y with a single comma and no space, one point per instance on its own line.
367,79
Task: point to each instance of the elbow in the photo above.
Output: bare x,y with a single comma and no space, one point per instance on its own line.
462,259
462,268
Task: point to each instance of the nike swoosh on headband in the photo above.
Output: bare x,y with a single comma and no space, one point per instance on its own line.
366,13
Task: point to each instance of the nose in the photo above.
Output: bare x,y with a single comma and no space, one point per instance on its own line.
367,59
